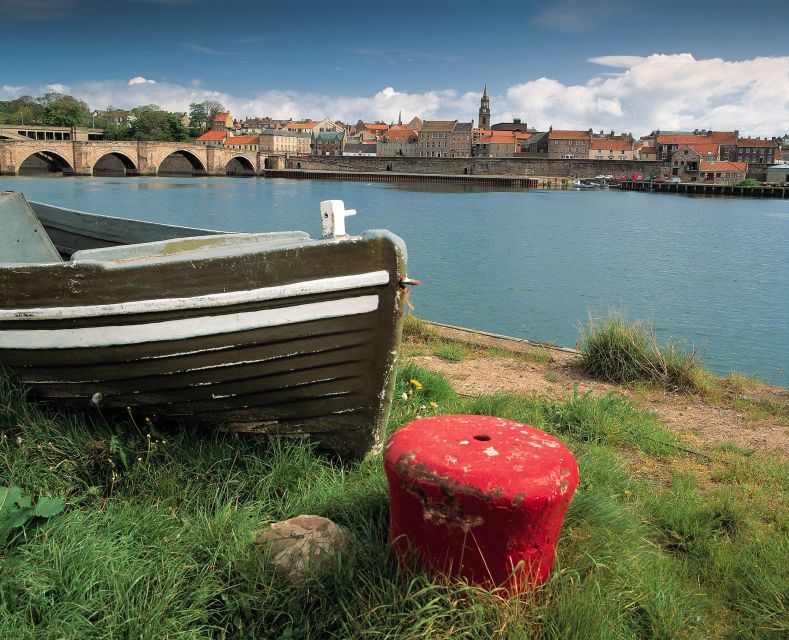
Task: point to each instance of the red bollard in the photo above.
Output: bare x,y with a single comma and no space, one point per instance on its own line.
479,497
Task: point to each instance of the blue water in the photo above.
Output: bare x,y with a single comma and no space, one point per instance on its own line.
710,272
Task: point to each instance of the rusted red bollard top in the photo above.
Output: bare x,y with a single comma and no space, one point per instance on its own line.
479,497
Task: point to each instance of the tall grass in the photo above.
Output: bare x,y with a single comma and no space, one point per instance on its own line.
157,542
616,350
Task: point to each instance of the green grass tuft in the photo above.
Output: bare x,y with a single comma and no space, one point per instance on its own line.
619,351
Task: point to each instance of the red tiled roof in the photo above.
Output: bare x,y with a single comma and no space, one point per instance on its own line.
520,135
723,137
399,135
243,140
497,137
221,116
706,149
755,142
213,135
723,165
611,144
376,126
648,150
559,134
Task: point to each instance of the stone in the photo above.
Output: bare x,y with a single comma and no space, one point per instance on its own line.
304,545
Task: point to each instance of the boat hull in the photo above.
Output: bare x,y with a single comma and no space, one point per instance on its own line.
295,339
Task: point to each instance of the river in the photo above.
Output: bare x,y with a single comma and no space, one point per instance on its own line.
708,272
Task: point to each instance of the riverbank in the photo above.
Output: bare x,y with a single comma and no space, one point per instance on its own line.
669,534
734,410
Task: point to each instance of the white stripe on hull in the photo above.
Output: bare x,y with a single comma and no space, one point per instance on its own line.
114,335
308,287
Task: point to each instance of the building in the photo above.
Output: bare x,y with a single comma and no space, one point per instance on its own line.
212,138
515,125
328,143
445,139
252,126
778,174
495,144
221,122
568,143
398,142
374,129
756,150
685,164
281,141
611,148
722,172
644,150
484,110
721,144
359,149
243,143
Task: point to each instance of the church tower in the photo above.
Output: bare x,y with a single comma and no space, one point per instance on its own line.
484,110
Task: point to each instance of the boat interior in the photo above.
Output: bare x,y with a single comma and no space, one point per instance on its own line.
35,233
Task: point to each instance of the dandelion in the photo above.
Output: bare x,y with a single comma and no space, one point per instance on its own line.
434,405
416,383
628,492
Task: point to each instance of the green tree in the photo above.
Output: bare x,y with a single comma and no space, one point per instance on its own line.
151,123
198,116
64,111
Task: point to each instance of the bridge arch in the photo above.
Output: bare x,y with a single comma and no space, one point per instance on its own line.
182,162
114,163
240,166
45,161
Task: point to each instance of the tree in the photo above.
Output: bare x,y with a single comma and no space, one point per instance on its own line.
212,108
151,123
64,111
198,116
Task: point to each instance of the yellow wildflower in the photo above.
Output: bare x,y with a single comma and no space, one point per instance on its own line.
416,383
434,405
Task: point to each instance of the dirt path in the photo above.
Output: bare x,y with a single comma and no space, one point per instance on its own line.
696,419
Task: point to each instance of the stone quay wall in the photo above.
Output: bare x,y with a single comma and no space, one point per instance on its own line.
575,168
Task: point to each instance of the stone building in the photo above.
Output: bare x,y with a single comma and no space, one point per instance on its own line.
495,144
328,143
685,163
212,138
243,143
569,143
722,172
611,148
758,151
398,142
280,141
445,139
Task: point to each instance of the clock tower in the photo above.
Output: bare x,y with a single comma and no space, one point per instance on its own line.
484,110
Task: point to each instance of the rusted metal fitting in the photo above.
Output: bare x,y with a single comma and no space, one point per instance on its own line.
405,281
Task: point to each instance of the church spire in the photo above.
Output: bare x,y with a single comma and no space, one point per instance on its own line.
400,117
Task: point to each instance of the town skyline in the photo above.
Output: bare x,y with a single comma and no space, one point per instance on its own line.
730,74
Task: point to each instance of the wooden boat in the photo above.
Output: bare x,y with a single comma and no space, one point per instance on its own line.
274,333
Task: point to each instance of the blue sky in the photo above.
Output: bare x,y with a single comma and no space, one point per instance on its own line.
566,63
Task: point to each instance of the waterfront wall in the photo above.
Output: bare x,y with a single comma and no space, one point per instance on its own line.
575,168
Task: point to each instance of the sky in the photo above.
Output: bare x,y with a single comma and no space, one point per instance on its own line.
629,66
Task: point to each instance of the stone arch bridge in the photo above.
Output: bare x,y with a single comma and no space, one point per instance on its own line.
134,158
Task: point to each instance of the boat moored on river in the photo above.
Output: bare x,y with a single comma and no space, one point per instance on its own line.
273,333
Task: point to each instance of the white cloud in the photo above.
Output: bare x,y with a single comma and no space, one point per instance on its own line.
58,88
8,91
662,91
620,62
658,91
140,80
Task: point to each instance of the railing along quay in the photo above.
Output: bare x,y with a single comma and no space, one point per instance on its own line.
380,176
700,188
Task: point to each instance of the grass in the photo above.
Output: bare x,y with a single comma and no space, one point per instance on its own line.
156,538
619,351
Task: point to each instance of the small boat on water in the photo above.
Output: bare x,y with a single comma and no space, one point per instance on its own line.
581,184
273,333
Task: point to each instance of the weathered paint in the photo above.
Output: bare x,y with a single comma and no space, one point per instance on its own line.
474,497
275,333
